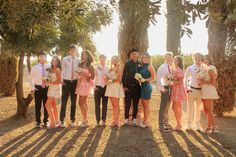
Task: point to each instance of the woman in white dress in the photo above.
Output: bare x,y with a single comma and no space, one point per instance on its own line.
54,82
114,89
209,92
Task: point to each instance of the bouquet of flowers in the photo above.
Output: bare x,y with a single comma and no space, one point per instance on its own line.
200,73
47,77
111,77
139,77
169,78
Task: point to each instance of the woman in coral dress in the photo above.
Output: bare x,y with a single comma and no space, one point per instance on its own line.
85,84
178,94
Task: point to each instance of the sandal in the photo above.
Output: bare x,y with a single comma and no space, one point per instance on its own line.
208,130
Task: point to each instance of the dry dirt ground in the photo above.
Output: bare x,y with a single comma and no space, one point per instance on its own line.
18,137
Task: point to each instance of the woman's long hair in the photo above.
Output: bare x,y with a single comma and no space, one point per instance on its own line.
209,58
89,59
180,62
58,62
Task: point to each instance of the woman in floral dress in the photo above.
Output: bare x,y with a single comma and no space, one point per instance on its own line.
178,94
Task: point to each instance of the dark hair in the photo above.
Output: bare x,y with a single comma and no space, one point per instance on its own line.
58,61
89,58
42,53
131,51
180,62
209,58
72,46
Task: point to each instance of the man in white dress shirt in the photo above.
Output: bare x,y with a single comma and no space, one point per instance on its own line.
192,85
39,88
100,88
69,66
165,87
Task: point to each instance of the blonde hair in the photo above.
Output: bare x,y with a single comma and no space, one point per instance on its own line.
169,54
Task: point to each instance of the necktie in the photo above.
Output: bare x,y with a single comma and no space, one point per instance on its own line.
72,69
43,76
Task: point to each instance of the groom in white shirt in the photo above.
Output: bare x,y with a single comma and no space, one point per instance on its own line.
39,88
69,65
165,87
192,85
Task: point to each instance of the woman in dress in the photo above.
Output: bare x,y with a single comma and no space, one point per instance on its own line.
178,94
85,83
114,89
148,74
209,92
54,91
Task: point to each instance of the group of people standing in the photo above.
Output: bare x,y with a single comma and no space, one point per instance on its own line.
132,82
196,85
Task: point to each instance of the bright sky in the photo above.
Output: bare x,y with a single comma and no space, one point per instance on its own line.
107,42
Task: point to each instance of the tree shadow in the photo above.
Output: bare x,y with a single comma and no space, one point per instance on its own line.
66,148
132,142
36,144
173,146
194,150
14,122
225,146
16,142
91,143
54,142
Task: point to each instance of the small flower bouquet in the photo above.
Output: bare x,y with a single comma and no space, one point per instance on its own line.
110,77
47,77
200,73
139,77
169,78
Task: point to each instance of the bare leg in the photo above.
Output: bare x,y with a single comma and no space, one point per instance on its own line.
82,102
55,112
176,106
48,106
146,109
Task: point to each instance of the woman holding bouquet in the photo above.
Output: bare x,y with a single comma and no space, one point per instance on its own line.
209,92
148,74
54,81
178,94
114,89
85,83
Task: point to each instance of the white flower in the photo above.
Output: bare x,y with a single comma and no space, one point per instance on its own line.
139,78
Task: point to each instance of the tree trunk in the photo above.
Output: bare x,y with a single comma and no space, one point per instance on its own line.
173,17
28,62
22,103
217,37
134,23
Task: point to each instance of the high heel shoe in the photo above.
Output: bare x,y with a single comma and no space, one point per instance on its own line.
208,130
215,129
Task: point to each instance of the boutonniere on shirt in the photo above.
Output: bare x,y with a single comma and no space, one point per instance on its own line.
139,65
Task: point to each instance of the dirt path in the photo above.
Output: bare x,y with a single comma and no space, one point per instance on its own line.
19,138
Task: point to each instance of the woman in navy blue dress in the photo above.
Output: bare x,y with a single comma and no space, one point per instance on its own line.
148,74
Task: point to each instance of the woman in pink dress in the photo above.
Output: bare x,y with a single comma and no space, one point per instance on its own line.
178,94
85,83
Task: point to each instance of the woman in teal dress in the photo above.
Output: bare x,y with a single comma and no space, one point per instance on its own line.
148,74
